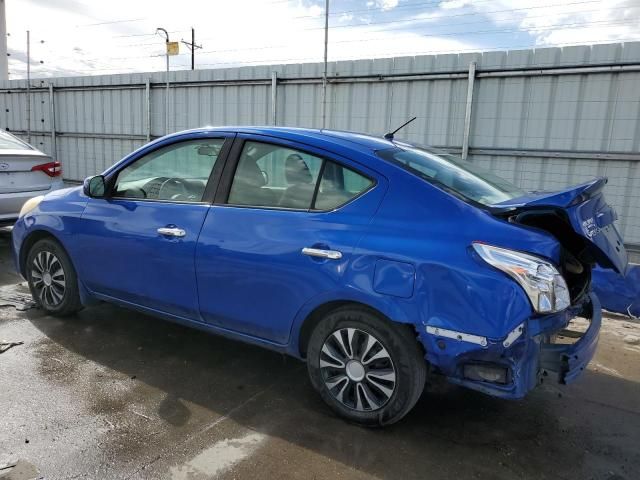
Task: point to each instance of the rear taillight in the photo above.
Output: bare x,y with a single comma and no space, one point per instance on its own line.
53,169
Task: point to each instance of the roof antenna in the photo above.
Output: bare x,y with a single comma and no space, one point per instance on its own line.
389,136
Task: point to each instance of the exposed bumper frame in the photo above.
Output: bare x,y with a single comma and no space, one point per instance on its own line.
568,361
532,358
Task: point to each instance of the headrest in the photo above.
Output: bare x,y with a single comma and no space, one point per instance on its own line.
296,170
250,174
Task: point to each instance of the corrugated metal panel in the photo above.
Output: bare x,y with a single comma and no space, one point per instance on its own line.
100,119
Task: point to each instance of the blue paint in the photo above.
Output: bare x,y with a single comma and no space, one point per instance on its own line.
406,252
394,278
589,214
617,293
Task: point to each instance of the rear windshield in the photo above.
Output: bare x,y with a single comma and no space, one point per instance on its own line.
10,142
463,178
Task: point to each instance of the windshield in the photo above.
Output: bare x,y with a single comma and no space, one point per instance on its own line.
459,176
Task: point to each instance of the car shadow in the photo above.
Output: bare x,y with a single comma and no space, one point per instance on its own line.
451,432
8,276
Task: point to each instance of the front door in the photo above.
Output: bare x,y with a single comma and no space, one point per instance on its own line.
285,235
138,244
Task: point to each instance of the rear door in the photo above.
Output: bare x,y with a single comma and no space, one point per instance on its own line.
22,167
282,232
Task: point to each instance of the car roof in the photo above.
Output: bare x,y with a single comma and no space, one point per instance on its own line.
319,137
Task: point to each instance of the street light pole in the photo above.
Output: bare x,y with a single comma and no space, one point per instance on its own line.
166,97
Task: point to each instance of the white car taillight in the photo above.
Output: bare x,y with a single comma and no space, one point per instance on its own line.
543,284
53,169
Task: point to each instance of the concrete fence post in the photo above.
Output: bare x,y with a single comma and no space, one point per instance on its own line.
467,114
52,123
147,99
274,98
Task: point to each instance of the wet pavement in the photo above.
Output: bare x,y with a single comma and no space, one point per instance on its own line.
114,394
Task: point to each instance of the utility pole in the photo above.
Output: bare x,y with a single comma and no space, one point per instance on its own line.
324,74
192,46
166,97
28,86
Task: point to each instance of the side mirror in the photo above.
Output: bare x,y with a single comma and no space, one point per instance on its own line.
95,187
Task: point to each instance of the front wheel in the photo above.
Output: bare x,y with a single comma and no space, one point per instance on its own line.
52,278
367,369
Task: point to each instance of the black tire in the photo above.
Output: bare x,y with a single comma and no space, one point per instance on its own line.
54,303
405,359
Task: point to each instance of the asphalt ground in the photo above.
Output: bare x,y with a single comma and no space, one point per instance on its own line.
113,394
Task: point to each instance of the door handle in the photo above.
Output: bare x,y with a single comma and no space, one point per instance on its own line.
171,232
322,253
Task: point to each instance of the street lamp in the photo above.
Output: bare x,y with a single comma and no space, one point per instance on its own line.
161,30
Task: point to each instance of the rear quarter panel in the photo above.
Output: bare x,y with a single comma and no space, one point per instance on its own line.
429,229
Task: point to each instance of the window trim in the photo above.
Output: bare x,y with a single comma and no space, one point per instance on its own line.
226,179
210,187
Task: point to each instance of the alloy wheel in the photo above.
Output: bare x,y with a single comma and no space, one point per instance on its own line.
357,369
48,279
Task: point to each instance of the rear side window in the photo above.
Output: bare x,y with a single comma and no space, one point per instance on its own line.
273,176
10,142
338,186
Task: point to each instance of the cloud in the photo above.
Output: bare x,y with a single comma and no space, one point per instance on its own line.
454,4
84,37
549,22
388,4
382,4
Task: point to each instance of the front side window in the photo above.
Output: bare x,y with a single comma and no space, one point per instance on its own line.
274,176
177,172
463,178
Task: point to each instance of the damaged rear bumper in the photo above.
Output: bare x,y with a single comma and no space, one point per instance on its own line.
536,356
567,361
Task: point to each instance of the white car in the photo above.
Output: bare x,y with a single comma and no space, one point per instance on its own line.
25,172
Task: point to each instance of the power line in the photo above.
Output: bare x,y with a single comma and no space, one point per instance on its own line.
497,31
575,25
439,25
113,22
564,4
407,6
386,9
462,33
428,52
144,34
419,20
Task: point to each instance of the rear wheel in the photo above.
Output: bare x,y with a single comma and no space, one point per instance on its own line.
52,278
367,369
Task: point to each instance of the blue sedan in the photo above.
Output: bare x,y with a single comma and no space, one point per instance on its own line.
378,262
